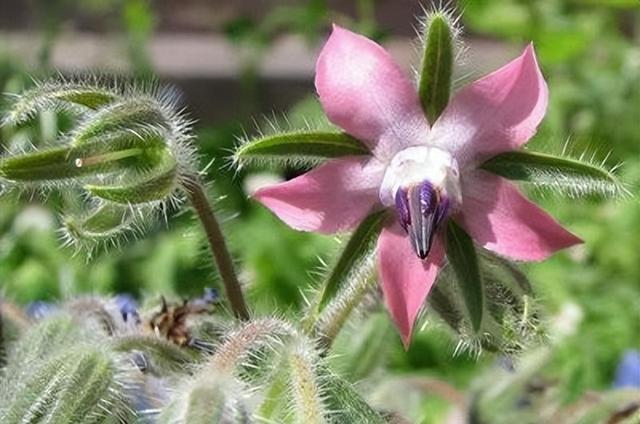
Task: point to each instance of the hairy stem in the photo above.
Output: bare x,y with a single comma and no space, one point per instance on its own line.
336,314
2,341
217,244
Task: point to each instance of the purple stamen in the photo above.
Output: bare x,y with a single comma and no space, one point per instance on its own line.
402,207
421,209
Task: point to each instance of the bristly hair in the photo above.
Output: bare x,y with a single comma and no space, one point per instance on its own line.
109,109
273,126
605,181
447,11
511,318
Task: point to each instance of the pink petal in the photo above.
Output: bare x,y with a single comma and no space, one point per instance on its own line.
494,114
501,219
365,92
334,197
406,280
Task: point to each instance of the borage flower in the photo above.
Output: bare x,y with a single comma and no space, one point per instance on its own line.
427,172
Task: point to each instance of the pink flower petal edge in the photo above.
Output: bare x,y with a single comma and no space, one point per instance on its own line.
364,91
331,198
406,280
497,113
501,219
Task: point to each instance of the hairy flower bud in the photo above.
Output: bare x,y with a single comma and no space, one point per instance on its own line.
129,147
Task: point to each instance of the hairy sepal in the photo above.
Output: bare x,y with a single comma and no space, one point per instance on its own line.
153,185
462,256
102,223
568,176
57,95
436,70
354,257
298,147
511,321
101,155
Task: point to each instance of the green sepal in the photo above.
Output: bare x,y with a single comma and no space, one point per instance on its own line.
102,223
348,405
437,66
57,95
566,175
166,356
360,246
303,145
152,185
133,114
92,98
100,155
462,256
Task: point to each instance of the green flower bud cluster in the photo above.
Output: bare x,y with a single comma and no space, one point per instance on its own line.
128,152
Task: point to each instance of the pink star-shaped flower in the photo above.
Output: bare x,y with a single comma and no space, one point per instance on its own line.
426,173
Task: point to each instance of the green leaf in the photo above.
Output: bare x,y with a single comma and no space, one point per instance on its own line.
462,256
153,185
296,146
437,66
565,175
358,249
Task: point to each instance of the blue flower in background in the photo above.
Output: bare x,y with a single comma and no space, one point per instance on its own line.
210,297
40,309
127,305
628,371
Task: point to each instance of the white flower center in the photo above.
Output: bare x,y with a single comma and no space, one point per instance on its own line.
419,164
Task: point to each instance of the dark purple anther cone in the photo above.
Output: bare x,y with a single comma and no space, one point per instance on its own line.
402,208
421,208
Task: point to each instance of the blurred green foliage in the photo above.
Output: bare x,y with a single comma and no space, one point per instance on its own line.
590,53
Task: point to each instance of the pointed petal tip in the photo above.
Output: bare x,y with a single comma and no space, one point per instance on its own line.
406,339
406,280
501,219
530,53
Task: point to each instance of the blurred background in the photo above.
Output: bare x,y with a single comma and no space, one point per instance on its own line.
238,63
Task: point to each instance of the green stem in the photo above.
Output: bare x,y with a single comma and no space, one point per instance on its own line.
217,244
336,314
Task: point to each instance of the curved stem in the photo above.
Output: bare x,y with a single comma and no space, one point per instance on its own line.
217,245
